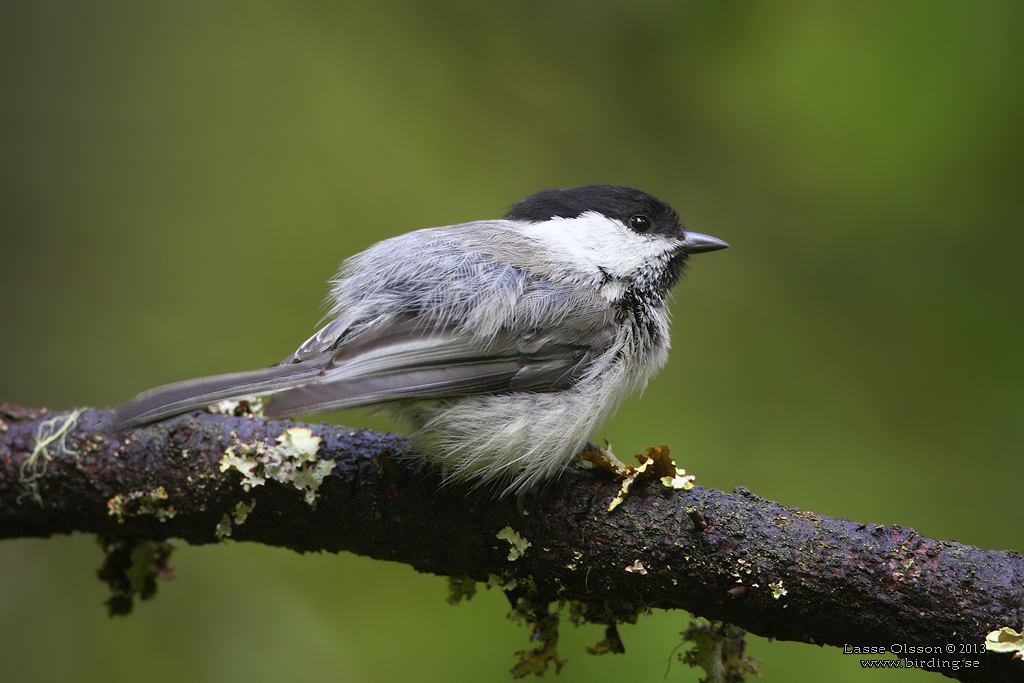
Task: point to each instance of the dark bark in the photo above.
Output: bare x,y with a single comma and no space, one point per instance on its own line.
717,555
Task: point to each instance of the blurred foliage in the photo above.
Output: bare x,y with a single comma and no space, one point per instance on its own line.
178,180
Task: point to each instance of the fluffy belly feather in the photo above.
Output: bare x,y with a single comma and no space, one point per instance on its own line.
520,439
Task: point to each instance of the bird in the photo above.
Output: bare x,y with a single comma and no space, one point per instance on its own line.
503,344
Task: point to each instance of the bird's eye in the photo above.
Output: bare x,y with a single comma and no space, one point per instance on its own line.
640,223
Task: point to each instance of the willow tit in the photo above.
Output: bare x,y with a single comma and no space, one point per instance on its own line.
504,344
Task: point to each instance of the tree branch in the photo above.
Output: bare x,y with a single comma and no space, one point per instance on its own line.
776,571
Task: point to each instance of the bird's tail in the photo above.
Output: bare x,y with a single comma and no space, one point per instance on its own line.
181,397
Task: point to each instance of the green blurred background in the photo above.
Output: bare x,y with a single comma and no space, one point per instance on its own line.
180,179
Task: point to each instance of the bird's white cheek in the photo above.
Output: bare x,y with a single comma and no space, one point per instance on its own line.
625,253
597,246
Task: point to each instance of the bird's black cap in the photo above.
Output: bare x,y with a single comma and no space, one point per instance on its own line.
626,204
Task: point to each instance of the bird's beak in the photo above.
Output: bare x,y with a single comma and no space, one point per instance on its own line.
695,243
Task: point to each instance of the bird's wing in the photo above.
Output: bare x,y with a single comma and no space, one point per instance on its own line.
383,348
411,358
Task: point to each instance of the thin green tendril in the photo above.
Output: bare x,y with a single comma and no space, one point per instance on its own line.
34,466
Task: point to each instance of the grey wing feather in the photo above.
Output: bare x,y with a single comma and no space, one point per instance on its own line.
433,383
406,361
325,339
175,399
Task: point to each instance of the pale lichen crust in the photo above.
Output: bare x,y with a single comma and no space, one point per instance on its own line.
518,543
1006,640
292,461
249,406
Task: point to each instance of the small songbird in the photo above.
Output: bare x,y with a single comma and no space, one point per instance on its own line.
504,344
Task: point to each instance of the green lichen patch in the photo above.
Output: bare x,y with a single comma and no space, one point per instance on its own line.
131,568
460,587
679,481
544,616
544,625
223,529
605,612
1006,640
505,583
718,649
152,502
656,462
518,543
545,621
778,590
611,613
238,515
242,511
292,461
577,555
